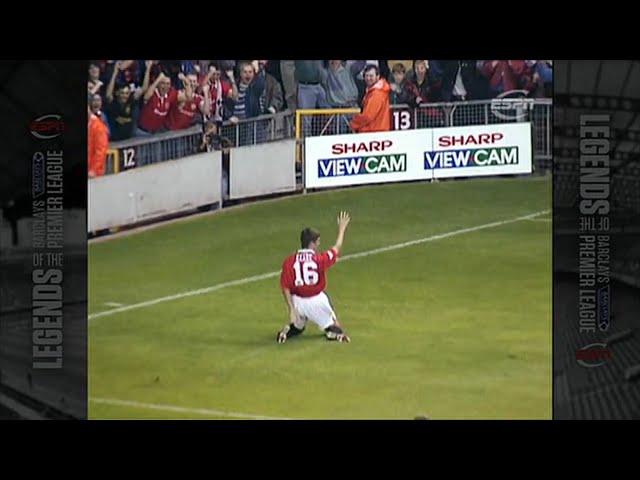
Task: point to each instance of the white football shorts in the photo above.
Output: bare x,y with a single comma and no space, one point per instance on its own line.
316,309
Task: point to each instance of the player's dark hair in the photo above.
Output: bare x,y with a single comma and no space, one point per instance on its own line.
307,236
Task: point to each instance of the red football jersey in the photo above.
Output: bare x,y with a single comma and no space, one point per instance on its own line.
218,92
304,272
183,114
153,114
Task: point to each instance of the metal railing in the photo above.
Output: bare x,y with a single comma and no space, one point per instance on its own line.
140,151
452,114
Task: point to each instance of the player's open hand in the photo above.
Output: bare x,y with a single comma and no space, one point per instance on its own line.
343,220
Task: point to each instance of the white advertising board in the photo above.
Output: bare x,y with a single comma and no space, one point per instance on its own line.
395,156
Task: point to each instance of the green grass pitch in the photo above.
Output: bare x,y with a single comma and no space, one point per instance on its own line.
454,328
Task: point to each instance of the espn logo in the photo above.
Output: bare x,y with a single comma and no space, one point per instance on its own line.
47,127
593,355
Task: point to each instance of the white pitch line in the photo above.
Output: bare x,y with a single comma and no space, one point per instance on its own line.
539,219
178,296
264,276
173,408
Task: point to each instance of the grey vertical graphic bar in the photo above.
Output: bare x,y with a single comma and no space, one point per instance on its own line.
43,288
596,249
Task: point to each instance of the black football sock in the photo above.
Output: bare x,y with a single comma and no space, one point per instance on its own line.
293,331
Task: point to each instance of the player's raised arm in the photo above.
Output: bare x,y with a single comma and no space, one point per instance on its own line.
343,222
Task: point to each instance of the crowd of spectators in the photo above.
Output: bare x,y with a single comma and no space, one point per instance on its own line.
144,97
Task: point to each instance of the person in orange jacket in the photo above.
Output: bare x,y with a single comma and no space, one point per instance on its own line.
98,143
376,106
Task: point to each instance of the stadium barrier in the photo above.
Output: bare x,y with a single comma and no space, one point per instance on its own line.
142,151
154,192
262,169
538,112
260,163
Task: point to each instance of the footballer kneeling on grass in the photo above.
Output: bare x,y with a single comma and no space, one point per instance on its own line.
303,280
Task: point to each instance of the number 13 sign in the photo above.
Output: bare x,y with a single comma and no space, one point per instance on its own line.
402,119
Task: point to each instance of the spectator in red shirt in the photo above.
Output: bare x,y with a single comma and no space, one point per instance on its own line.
507,75
220,90
185,114
158,100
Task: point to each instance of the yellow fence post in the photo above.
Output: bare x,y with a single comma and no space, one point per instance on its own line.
300,154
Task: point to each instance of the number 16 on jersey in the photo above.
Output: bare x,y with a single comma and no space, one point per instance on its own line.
306,273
